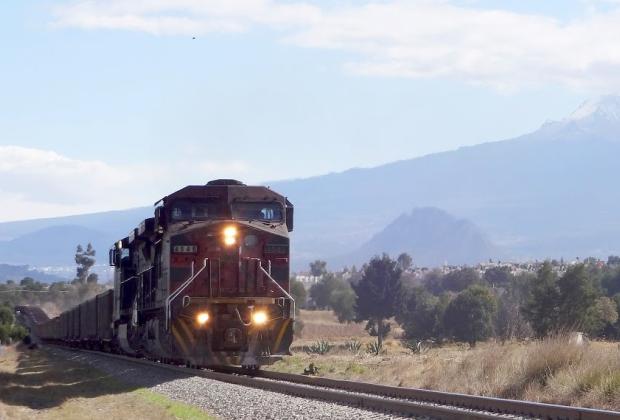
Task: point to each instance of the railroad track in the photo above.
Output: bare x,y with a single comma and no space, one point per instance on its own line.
409,402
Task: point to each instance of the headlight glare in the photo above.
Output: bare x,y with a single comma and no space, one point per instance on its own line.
230,235
259,318
202,318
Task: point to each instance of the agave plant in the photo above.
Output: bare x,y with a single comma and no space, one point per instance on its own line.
320,347
353,346
374,348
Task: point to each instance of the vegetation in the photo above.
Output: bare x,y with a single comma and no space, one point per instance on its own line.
9,330
320,347
334,292
378,292
469,304
556,369
469,316
56,297
85,260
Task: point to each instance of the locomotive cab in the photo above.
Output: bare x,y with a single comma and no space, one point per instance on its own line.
207,279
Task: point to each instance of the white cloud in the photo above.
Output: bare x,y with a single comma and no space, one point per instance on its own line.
417,38
38,183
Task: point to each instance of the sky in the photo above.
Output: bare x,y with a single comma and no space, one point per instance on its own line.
111,104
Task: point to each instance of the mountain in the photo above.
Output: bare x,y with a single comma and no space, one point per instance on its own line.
54,245
433,236
18,272
118,222
550,193
52,242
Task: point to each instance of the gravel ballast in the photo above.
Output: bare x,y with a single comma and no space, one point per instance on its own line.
224,400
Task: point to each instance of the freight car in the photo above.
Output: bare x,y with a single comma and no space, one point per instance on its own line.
205,282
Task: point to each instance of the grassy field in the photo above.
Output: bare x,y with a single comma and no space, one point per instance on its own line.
34,384
553,370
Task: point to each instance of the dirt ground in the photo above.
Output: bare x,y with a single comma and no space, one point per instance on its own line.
34,384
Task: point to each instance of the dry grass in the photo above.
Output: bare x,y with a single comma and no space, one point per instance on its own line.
323,324
554,370
34,384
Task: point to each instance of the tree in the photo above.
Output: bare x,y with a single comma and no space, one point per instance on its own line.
611,280
318,268
404,261
321,291
377,294
6,316
461,279
603,315
333,292
420,314
469,316
613,330
85,261
433,281
342,301
541,308
577,298
497,276
299,293
5,333
510,321
30,284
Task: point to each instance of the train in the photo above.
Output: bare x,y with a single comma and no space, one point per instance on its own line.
204,282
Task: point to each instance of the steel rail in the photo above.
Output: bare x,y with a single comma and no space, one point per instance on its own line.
404,401
489,404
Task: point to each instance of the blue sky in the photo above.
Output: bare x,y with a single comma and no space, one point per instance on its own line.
111,104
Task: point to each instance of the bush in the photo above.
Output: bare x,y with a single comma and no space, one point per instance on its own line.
375,348
353,346
18,333
5,334
320,347
469,316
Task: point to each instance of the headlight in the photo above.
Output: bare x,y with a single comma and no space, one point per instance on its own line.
259,318
202,318
230,235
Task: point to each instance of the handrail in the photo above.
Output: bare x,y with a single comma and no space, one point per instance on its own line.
181,288
260,266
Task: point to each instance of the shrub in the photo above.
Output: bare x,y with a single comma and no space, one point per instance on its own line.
353,346
320,347
374,348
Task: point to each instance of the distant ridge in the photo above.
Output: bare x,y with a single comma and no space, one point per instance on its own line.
431,236
53,241
16,273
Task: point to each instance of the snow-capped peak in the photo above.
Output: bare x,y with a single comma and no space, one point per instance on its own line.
606,107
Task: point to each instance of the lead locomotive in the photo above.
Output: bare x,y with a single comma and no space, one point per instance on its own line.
205,282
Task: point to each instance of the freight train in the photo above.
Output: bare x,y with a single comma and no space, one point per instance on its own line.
204,282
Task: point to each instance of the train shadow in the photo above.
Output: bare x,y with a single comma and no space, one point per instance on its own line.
46,378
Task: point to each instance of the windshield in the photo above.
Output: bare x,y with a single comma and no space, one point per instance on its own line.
194,210
265,212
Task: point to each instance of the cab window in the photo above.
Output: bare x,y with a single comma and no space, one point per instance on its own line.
266,212
193,210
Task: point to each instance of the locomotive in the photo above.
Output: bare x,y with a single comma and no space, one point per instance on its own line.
204,282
